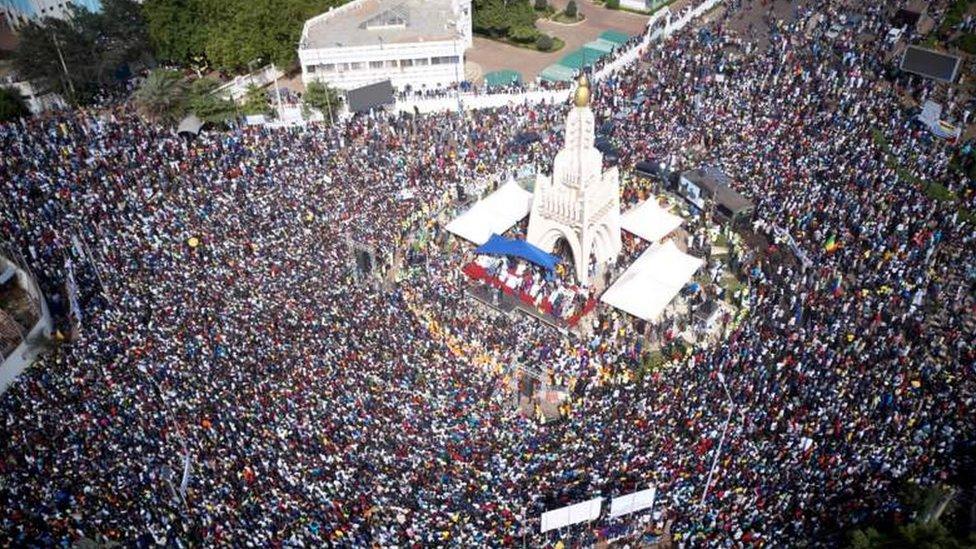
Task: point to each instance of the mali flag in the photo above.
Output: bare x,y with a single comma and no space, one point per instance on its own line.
831,244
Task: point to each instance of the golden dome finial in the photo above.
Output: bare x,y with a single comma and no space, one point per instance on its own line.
582,96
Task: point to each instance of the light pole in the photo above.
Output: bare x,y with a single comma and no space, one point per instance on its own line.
457,76
718,451
281,110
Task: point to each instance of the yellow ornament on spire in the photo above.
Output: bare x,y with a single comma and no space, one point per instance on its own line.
582,96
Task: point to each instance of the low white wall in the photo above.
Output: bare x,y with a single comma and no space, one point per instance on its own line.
467,101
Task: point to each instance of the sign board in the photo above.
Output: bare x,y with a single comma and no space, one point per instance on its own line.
631,503
572,514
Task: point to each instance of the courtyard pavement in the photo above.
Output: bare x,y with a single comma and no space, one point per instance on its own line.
488,55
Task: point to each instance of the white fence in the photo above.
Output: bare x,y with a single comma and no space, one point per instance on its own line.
469,101
236,88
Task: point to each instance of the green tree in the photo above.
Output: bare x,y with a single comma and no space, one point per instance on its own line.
571,8
323,98
207,105
541,5
613,4
256,101
82,53
494,18
523,34
177,28
12,105
230,33
162,96
544,42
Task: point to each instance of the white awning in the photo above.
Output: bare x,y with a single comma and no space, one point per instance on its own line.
649,221
652,281
494,214
572,514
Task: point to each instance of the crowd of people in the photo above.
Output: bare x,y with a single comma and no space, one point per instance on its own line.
234,382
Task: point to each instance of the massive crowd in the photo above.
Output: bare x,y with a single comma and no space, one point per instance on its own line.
222,327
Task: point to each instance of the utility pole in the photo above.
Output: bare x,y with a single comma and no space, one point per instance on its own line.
281,110
457,75
718,451
57,47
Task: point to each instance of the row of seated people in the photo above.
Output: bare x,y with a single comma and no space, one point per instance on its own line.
553,294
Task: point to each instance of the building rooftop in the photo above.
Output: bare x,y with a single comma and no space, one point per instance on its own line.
372,22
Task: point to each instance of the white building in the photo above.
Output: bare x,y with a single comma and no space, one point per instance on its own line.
580,203
19,12
417,43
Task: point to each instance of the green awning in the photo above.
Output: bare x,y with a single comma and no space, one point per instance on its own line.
594,54
503,77
579,59
605,46
557,73
615,36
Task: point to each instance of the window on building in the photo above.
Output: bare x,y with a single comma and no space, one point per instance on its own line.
328,67
355,66
406,63
376,64
392,64
446,60
421,62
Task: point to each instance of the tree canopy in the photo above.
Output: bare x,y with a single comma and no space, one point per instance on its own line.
162,96
322,98
209,107
230,34
500,18
94,47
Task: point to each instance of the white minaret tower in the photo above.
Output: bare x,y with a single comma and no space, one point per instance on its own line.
580,202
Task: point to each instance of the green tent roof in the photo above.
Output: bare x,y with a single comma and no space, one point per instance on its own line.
580,58
557,73
503,77
606,46
615,36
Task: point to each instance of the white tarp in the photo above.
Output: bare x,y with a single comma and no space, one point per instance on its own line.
652,281
631,503
496,213
649,221
572,514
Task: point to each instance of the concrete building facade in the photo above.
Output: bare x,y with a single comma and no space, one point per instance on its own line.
19,12
415,43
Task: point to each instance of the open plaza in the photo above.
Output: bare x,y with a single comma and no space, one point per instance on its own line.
703,277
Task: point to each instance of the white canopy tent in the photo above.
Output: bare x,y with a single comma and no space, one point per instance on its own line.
571,514
649,221
652,281
633,502
496,213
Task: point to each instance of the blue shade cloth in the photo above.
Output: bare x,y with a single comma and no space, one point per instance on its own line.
499,245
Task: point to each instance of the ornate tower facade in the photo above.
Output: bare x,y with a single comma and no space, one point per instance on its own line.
580,202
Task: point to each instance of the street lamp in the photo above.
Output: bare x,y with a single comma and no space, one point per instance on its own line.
718,451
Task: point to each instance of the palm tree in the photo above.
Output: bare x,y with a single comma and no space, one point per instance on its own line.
162,96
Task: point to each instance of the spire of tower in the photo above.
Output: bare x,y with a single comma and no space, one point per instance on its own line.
582,96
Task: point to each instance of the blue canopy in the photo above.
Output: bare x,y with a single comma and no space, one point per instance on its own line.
499,245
